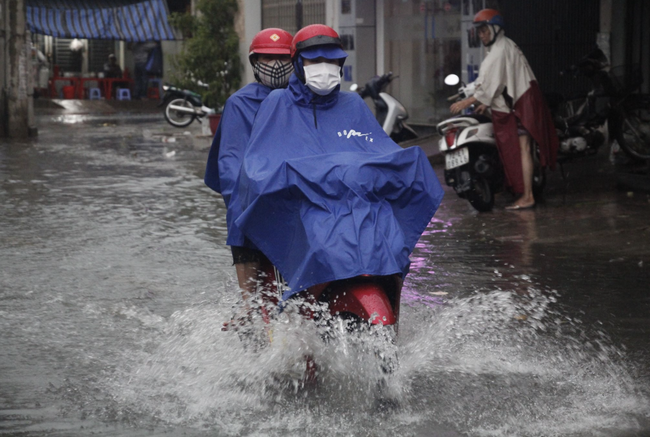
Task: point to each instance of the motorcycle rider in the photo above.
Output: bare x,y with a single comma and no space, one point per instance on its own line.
324,192
508,86
269,56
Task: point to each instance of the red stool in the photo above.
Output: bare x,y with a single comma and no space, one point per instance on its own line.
153,93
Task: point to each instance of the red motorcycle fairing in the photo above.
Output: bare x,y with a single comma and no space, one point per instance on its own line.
369,298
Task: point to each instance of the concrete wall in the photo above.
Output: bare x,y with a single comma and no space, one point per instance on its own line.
247,23
3,71
17,113
359,26
421,44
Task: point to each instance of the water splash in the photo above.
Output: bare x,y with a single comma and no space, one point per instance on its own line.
199,375
495,364
502,363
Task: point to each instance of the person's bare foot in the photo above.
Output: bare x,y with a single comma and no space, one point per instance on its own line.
516,206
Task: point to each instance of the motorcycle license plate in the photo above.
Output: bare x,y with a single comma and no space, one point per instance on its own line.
456,158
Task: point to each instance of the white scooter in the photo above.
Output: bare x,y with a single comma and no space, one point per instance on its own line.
390,113
473,167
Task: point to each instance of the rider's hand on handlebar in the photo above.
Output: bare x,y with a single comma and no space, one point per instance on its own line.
481,109
459,107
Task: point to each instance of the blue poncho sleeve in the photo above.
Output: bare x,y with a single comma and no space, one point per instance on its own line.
228,146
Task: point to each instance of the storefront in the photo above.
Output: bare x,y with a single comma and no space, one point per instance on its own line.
73,39
422,41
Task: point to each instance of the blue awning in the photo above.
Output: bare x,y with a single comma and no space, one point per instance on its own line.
128,20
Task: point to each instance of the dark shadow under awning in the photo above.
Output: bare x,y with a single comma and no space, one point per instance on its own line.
128,20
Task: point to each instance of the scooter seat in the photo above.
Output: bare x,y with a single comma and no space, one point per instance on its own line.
462,120
480,118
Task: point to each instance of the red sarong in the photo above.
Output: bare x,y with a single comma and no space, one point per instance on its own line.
533,114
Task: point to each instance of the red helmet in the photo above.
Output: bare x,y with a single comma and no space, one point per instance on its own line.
314,35
488,16
491,18
271,41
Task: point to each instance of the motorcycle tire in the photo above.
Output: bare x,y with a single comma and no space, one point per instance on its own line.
481,196
634,131
177,118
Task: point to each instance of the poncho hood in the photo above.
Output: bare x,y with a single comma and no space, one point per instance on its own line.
301,95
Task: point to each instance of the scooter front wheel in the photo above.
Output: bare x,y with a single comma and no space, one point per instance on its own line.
176,117
481,195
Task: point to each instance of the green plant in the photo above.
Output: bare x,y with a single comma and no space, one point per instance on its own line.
210,52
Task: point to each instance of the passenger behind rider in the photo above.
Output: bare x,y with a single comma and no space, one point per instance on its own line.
325,193
508,86
269,56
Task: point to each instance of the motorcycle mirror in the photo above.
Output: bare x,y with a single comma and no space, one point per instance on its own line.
354,87
452,80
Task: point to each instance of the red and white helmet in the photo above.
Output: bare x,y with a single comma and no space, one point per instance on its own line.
271,41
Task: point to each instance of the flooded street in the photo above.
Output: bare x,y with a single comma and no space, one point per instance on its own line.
115,281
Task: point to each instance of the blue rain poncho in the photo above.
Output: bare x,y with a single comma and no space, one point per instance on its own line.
325,194
228,146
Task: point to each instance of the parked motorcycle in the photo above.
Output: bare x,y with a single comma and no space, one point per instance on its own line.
473,167
390,113
610,106
182,107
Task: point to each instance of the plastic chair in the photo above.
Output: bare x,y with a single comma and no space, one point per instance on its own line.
123,94
94,94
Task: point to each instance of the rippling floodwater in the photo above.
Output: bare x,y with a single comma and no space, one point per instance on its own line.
115,282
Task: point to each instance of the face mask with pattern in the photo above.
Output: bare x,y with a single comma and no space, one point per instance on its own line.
273,75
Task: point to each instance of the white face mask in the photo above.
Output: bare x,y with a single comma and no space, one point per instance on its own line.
322,78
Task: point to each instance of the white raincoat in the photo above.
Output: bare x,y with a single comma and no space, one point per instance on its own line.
507,85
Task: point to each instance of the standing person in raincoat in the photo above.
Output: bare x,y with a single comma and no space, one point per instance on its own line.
269,55
508,86
324,192
141,51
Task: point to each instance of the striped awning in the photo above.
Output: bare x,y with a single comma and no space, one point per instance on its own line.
128,20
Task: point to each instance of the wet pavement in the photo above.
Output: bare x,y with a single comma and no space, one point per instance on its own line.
115,280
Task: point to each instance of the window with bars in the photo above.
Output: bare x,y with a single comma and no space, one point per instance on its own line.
292,15
98,51
70,61
67,59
